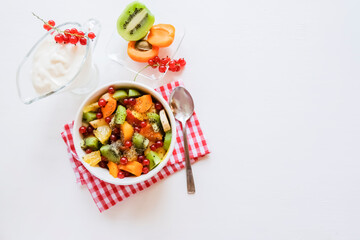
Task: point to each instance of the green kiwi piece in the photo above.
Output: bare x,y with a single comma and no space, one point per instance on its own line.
135,21
110,153
93,143
120,115
154,159
154,120
120,95
167,140
134,93
89,116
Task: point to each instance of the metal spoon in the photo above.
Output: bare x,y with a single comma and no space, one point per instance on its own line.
182,106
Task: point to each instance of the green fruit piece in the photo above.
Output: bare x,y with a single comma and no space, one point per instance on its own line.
82,144
138,141
120,95
167,140
135,22
134,93
110,153
93,143
154,120
120,115
153,158
89,116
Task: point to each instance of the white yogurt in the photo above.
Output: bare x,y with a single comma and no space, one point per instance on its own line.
54,65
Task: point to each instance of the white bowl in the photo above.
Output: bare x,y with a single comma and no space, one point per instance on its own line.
102,173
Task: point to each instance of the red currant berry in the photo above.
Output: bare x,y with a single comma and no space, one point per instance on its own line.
177,68
113,137
104,159
182,62
126,101
59,38
73,39
80,33
66,39
143,124
132,101
145,170
67,32
103,164
154,66
82,129
47,27
111,90
141,158
51,22
164,61
83,41
116,131
156,59
151,62
137,129
73,31
90,129
146,162
159,144
102,102
108,120
128,144
91,35
162,68
99,115
123,160
121,175
153,147
88,150
158,106
172,64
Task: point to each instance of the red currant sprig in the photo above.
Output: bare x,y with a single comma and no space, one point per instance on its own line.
72,36
164,63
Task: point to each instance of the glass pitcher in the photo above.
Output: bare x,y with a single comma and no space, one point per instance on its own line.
82,79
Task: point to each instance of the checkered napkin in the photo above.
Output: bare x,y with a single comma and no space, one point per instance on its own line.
106,195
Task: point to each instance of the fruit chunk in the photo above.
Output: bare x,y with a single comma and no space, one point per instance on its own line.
139,116
133,167
161,35
153,158
154,120
92,158
134,93
130,118
150,134
91,107
167,140
92,143
111,153
135,21
143,103
120,95
98,122
120,115
103,133
139,141
164,121
113,169
127,131
161,152
109,107
141,55
89,116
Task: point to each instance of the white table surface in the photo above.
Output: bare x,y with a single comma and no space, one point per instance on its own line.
276,86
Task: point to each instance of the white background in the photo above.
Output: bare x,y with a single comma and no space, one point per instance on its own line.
276,87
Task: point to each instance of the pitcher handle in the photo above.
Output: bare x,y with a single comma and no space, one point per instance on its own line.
93,25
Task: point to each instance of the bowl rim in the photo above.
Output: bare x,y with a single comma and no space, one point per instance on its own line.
99,172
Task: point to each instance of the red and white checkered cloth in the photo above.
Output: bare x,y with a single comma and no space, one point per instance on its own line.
106,195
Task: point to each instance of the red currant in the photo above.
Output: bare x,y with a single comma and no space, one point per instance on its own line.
123,160
59,38
143,124
156,59
172,64
137,129
51,22
132,101
145,170
91,35
83,41
66,39
47,27
159,144
108,120
153,147
82,129
162,68
67,32
116,131
111,90
182,62
90,129
128,144
126,101
103,164
80,33
73,31
154,66
99,115
104,159
151,62
158,106
113,137
146,162
141,158
73,39
164,61
88,150
121,175
102,102
177,68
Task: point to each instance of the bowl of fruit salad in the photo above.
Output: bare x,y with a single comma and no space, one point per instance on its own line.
124,133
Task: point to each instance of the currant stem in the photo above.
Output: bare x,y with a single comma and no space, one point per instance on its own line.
140,71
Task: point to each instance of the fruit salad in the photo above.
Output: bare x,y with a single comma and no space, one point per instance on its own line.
125,131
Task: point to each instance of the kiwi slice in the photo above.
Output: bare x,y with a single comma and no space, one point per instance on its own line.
135,22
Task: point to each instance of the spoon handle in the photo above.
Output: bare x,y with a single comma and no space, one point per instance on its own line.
189,174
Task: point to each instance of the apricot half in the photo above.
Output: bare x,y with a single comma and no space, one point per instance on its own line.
161,35
141,51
